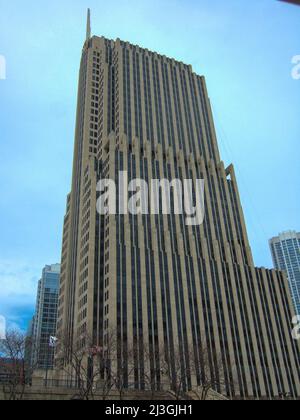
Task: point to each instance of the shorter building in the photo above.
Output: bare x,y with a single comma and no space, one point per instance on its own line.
44,324
5,370
285,249
28,354
12,371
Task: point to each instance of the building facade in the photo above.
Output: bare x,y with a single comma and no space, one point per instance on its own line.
285,249
43,325
162,285
29,343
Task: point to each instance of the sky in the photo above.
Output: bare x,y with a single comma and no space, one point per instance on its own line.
244,49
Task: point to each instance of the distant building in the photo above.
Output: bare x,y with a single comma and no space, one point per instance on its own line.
6,369
29,342
285,249
44,324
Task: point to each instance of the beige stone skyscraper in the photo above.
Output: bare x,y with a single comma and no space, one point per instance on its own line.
162,285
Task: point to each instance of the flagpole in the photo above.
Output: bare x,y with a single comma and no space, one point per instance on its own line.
51,345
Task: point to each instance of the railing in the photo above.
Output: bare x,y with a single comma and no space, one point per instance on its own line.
55,383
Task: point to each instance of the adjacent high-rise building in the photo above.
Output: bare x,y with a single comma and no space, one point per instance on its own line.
43,325
285,249
29,343
160,284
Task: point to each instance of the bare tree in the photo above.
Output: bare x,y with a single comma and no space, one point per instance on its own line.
173,367
12,362
153,370
208,369
122,368
75,357
96,368
105,359
193,372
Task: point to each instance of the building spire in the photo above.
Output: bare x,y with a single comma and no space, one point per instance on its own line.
88,25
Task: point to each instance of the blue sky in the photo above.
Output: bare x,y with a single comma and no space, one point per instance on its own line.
243,47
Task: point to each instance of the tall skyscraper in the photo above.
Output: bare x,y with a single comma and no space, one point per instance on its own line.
161,284
285,249
44,323
29,343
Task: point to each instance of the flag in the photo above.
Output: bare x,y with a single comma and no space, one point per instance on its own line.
52,341
96,350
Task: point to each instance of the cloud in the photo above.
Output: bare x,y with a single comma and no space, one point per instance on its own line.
18,287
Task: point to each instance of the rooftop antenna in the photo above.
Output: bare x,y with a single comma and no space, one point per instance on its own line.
88,25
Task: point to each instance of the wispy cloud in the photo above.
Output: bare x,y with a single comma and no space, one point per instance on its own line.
18,285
